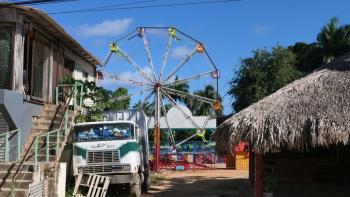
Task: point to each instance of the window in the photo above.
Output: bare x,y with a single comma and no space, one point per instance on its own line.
6,56
68,67
85,76
103,132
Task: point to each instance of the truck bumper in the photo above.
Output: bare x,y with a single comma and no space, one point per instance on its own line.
121,178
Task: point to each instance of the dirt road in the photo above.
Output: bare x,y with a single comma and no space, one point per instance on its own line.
209,183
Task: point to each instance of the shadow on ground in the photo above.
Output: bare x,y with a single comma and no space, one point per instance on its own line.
202,186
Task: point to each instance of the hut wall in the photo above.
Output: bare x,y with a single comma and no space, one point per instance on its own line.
312,168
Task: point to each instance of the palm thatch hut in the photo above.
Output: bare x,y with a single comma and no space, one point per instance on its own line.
301,132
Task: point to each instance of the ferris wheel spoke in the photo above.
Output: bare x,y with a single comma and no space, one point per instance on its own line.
131,81
194,77
124,97
174,104
145,101
165,58
170,131
148,52
133,63
181,64
185,94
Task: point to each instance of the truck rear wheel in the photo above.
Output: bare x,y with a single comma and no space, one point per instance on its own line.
135,188
146,183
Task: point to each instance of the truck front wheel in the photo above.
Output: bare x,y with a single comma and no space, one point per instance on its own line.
135,188
146,183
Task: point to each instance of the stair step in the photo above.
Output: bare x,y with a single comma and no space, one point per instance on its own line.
46,121
19,193
53,113
34,130
18,185
8,175
47,125
50,114
42,158
51,106
13,166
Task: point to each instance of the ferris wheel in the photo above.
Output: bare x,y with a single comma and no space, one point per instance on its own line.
180,75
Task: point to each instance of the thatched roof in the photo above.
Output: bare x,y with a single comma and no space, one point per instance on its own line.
311,111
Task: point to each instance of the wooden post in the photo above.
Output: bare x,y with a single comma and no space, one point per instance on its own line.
258,175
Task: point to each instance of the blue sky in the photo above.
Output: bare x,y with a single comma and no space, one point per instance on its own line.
230,31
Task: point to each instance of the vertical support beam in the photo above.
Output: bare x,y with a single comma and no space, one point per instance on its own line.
7,147
66,123
157,132
75,97
57,95
58,142
47,147
19,133
36,154
258,178
81,95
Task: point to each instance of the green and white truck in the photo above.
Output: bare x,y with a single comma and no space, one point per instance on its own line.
116,147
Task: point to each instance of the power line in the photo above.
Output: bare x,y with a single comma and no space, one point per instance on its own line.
144,7
117,5
35,2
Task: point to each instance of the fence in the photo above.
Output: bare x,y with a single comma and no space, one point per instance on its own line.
6,56
190,155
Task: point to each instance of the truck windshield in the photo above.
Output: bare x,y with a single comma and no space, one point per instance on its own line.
103,132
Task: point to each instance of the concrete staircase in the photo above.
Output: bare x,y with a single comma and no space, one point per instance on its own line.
50,118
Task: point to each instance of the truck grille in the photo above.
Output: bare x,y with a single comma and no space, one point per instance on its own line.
104,156
100,169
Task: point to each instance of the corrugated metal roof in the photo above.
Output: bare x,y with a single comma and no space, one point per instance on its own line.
177,120
44,21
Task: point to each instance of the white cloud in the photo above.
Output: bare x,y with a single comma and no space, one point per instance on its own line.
261,29
100,42
106,28
180,52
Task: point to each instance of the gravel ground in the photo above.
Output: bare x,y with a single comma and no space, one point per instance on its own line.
205,183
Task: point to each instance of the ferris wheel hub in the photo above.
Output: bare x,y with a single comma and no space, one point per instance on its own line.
157,85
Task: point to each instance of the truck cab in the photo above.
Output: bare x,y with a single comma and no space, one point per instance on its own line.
116,147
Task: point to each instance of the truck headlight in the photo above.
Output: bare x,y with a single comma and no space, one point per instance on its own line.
126,168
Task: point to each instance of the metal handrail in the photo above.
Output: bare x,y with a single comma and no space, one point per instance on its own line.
47,135
7,143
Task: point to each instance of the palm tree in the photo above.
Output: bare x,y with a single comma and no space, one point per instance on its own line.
334,40
147,107
203,109
181,86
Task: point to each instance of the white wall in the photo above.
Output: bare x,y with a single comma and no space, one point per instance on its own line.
80,67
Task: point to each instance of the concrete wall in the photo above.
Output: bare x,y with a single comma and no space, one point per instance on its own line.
18,115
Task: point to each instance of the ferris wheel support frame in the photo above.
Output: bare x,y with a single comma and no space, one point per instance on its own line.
162,85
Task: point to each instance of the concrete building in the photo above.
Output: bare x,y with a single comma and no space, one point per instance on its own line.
36,53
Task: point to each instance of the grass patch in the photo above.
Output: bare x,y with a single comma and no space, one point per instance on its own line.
156,179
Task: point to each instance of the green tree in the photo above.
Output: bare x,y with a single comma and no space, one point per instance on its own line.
309,56
334,40
181,86
117,104
261,75
147,108
199,108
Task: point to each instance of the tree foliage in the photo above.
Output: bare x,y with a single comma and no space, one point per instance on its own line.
266,71
101,99
262,75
